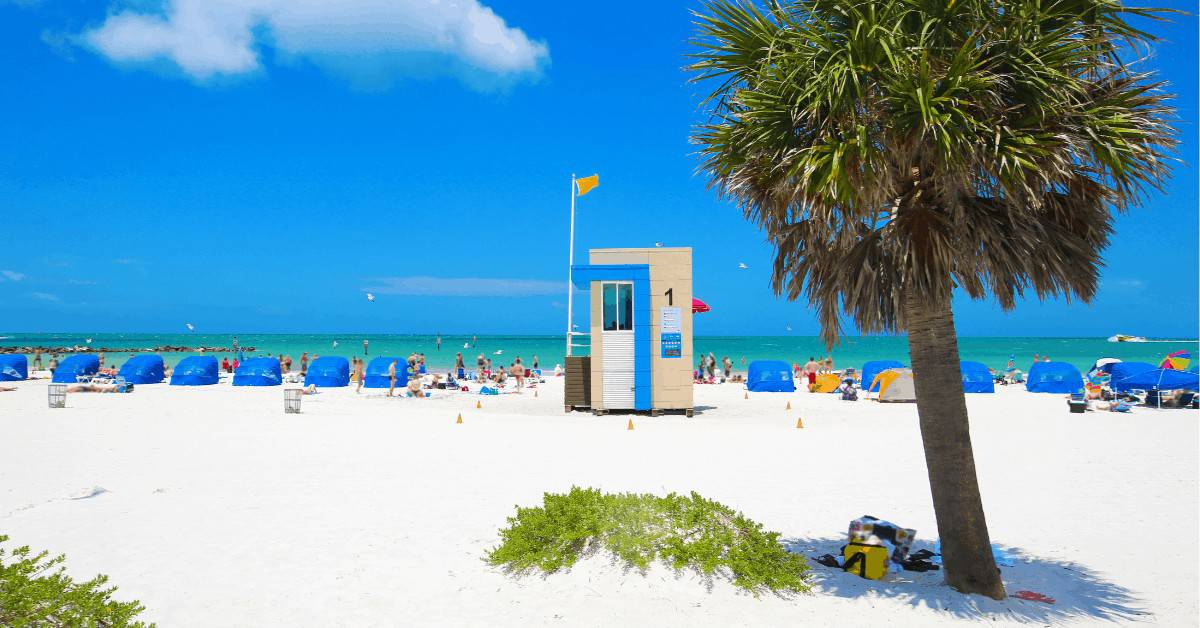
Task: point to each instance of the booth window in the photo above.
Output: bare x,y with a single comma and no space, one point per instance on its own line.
618,307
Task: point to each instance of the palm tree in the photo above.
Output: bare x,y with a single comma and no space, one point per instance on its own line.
895,150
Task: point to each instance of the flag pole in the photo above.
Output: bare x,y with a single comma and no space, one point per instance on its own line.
570,262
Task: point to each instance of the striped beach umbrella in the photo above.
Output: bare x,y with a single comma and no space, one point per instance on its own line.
1179,360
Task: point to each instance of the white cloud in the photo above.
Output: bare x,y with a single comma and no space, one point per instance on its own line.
370,42
12,275
464,286
45,296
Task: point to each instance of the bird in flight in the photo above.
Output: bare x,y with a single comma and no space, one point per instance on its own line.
371,297
658,244
89,340
335,344
742,265
190,327
498,352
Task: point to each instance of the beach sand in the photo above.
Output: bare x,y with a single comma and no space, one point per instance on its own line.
214,508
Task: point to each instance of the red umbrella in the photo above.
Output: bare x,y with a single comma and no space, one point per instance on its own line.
699,307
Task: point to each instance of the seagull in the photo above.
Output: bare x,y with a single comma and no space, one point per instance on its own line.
335,344
466,345
89,340
498,352
658,244
190,327
742,265
371,297
789,328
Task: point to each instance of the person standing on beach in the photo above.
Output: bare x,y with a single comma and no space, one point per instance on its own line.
287,364
101,359
304,363
480,363
358,374
810,371
727,366
365,352
37,359
518,373
391,378
460,368
53,365
534,365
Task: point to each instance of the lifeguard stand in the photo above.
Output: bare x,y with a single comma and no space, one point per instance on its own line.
641,329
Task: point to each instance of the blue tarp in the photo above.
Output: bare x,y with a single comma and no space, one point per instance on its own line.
376,375
198,370
770,376
142,369
1124,370
873,368
976,378
13,368
73,366
329,371
1160,379
258,372
1053,377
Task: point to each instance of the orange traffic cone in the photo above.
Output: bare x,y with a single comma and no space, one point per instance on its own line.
799,423
789,407
478,405
630,425
459,421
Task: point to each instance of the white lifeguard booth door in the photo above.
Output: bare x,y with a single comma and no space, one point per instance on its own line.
617,309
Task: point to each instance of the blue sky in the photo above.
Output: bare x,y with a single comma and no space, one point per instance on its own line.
254,165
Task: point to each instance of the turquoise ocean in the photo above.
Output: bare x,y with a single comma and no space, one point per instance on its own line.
852,352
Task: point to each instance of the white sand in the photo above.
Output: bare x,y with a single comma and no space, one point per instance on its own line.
214,508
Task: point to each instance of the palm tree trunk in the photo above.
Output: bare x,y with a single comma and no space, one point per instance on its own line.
945,434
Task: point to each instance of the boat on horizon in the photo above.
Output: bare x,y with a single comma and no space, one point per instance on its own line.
1126,338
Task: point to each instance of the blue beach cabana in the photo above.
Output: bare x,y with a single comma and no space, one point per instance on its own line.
258,372
71,368
873,368
331,371
1053,377
142,369
976,377
1119,372
770,376
1159,379
376,375
198,370
14,368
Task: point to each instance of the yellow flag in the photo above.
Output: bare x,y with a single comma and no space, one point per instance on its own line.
587,183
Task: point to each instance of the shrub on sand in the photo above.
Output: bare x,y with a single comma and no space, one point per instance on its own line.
35,591
685,532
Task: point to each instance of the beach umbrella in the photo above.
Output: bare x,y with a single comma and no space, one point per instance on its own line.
1179,361
699,307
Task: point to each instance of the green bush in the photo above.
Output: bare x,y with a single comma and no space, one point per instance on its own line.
35,591
685,532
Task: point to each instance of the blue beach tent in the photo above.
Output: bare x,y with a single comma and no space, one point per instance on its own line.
770,376
376,375
330,371
74,366
1053,377
258,372
1160,379
1120,371
875,367
142,369
13,368
198,370
976,378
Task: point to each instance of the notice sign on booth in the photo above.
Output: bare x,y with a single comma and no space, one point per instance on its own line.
671,333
